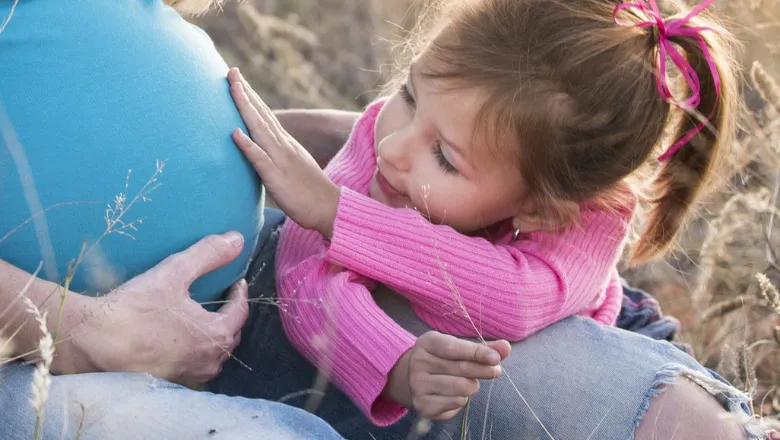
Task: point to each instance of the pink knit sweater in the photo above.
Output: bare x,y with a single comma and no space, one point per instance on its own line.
457,284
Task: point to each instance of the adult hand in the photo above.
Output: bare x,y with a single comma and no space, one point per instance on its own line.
151,325
292,177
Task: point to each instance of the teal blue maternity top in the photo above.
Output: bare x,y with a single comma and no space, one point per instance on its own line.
116,119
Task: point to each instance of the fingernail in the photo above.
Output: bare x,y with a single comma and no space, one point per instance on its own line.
234,238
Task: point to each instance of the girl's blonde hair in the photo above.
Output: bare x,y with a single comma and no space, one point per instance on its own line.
193,7
576,94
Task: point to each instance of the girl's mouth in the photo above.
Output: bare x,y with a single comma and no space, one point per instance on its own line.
386,186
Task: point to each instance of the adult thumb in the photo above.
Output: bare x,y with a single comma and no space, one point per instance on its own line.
207,255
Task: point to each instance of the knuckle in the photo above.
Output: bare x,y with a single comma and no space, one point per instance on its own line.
419,404
415,389
237,342
450,347
224,340
213,372
175,263
465,367
263,125
214,241
216,244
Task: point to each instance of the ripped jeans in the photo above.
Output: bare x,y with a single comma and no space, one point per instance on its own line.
573,380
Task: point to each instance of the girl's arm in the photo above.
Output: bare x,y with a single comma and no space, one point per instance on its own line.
469,286
331,318
329,314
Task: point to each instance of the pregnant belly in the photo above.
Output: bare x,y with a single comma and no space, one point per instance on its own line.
108,89
125,212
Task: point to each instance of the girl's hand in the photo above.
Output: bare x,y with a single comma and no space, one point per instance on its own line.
293,178
151,325
439,374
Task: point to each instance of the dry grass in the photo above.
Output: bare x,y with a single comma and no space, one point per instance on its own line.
42,375
316,54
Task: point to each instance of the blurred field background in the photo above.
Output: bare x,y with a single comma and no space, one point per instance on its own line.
337,53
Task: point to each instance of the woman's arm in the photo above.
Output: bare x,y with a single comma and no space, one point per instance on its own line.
17,322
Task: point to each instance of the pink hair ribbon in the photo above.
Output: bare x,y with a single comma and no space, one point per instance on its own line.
665,30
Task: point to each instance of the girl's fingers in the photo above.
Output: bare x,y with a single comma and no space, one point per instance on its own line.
450,386
258,127
439,407
464,369
446,415
256,156
266,114
503,348
456,349
262,108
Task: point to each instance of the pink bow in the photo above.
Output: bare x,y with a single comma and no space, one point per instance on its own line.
671,28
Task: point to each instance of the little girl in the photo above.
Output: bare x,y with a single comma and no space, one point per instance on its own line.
494,188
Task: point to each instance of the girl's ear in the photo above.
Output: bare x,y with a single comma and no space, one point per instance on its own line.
545,216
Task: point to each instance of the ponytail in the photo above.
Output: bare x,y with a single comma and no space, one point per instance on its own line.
686,173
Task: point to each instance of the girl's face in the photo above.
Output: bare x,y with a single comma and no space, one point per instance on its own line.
426,159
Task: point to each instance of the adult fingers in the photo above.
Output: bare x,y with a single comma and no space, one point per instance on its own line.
207,255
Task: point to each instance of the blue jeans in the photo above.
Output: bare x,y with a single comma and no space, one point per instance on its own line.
102,406
575,379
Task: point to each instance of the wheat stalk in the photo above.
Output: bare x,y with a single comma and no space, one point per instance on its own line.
769,292
42,374
766,85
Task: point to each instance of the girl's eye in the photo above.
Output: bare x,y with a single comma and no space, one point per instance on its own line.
404,91
443,162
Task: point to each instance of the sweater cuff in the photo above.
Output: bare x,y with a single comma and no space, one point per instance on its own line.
379,409
356,216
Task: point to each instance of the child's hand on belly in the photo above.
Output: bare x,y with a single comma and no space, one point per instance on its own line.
293,178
